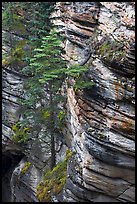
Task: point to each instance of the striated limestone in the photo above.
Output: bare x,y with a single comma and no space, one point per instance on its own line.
101,120
37,151
100,126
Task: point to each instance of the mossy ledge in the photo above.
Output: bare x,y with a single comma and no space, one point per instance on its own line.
20,133
26,167
53,180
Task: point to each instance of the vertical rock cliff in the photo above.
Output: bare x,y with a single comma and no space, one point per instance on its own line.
101,120
100,126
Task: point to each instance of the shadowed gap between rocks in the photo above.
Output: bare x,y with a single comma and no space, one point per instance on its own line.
9,162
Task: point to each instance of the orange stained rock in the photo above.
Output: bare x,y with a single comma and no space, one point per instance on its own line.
77,110
86,17
81,30
83,27
119,91
81,120
83,105
71,96
126,19
126,125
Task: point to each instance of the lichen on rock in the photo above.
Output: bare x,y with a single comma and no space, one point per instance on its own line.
53,180
26,167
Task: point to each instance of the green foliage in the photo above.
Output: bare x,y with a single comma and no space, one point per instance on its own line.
53,181
46,114
61,115
26,167
20,133
7,15
13,26
26,20
13,21
46,61
46,68
39,23
81,84
17,55
76,71
111,50
5,61
61,119
108,49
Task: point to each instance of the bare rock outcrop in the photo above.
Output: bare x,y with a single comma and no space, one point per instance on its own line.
101,119
100,125
21,187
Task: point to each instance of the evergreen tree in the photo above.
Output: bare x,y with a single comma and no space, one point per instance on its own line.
48,71
39,24
27,22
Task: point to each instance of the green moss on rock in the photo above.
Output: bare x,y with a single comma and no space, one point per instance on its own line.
111,50
26,167
53,181
20,134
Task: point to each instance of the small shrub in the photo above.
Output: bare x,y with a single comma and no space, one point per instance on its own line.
111,50
20,133
26,167
53,181
61,115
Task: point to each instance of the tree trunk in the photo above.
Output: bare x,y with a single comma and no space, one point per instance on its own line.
53,153
10,30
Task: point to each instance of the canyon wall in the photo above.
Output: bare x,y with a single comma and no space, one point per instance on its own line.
101,120
100,126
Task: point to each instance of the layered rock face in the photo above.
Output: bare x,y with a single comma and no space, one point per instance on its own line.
19,187
100,125
12,87
101,120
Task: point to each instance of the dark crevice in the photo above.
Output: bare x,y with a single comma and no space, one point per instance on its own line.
9,162
11,71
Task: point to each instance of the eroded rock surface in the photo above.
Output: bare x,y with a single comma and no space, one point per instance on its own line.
37,150
101,120
100,125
